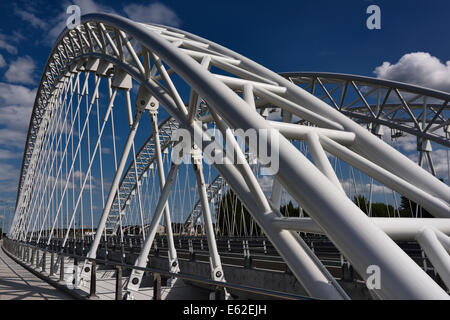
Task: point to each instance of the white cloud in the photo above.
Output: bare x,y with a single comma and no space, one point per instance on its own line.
266,183
16,117
21,71
86,6
2,62
6,154
8,190
352,188
8,172
405,143
62,181
59,23
18,95
9,187
89,6
13,138
418,68
154,12
16,104
31,18
440,162
440,159
5,43
18,36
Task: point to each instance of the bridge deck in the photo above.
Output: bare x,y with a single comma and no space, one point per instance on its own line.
17,283
106,285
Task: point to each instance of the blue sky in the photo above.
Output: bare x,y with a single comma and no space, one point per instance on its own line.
329,36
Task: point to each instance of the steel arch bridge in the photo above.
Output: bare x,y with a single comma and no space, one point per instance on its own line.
83,177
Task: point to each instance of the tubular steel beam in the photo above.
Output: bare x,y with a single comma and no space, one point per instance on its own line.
361,241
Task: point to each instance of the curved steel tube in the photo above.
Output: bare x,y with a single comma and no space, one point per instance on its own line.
345,224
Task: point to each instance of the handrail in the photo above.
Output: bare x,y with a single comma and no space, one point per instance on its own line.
261,291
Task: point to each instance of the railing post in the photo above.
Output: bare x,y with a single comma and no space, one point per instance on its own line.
191,250
156,249
106,250
156,286
33,255
44,261
61,269
93,288
219,294
37,258
347,272
119,295
75,273
52,264
247,257
122,253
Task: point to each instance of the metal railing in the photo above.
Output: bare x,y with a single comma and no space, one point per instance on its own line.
251,250
30,254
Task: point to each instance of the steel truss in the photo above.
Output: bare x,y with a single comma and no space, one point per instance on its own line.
230,92
404,108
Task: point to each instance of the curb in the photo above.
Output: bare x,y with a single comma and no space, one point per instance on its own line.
56,284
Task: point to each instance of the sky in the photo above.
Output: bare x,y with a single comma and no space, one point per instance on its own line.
327,36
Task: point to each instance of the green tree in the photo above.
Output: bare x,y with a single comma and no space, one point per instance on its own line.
408,208
378,209
381,210
362,203
289,210
233,215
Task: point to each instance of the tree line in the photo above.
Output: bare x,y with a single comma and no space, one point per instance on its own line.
233,215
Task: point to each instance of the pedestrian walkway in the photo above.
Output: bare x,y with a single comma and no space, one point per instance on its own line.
17,283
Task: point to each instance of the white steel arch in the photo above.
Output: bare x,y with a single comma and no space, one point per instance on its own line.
151,55
383,104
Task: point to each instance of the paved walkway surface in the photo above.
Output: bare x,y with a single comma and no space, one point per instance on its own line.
106,287
17,283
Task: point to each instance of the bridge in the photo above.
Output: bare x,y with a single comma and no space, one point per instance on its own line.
147,175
